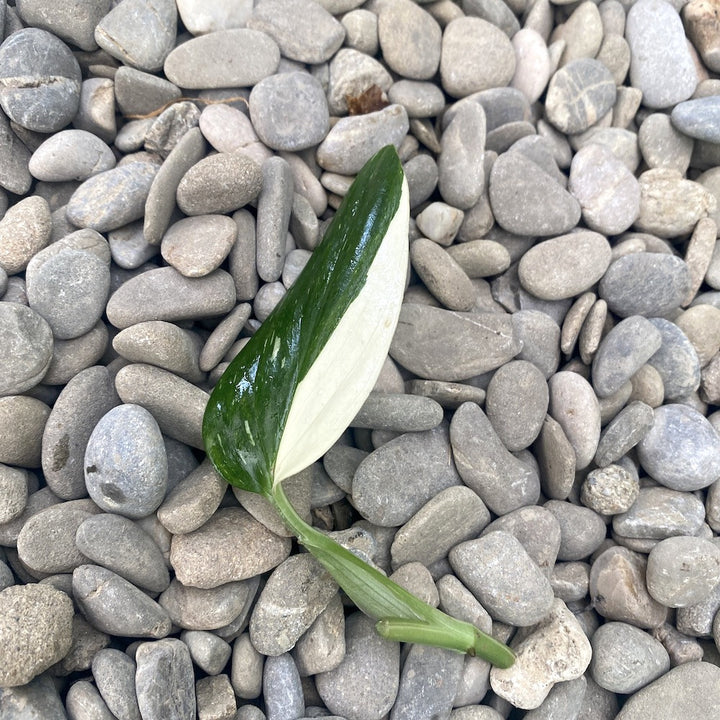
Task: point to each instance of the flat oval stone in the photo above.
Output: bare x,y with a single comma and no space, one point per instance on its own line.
622,352
39,80
72,356
564,266
682,449
579,94
698,118
582,530
398,412
27,351
533,66
22,419
480,258
71,155
548,209
13,493
676,361
196,246
420,99
661,65
645,283
289,111
410,470
624,432
463,345
165,294
25,229
662,145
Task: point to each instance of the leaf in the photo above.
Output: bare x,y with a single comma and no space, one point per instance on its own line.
300,380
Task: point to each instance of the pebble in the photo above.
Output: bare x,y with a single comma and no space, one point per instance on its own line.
556,459
72,356
71,155
676,361
219,183
698,118
626,658
539,336
688,689
661,65
22,420
114,675
209,652
548,209
582,530
168,127
398,412
13,492
570,580
624,432
410,469
39,81
607,191
681,450
440,222
228,529
165,680
698,20
27,352
282,688
215,697
115,606
304,30
701,325
196,246
246,669
480,258
618,591
368,675
585,258
39,696
532,63
273,218
24,231
527,683
140,93
125,462
476,55
683,571
420,99
464,344
201,20
579,94
83,700
662,145
699,255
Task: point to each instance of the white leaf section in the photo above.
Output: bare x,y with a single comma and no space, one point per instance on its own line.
345,371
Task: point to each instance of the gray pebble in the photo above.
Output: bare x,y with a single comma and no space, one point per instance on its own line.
626,658
84,702
37,501
164,680
350,73
282,689
22,420
352,141
681,450
341,462
698,118
410,469
609,490
623,432
140,93
200,19
503,577
322,647
38,698
14,157
464,344
139,33
247,668
112,198
676,361
71,155
209,652
115,606
480,258
72,356
661,65
570,580
39,81
548,209
421,173
117,543
361,32
556,458
662,145
579,94
539,336
223,336
289,111
582,530
440,222
114,675
125,462
165,294
215,697
420,99
169,127
683,571
618,591
25,230
217,539
398,412
13,493
659,513
368,676
27,352
208,609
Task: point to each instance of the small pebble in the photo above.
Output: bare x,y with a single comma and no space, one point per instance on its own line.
114,675
196,246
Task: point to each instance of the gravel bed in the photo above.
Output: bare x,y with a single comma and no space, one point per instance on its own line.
541,454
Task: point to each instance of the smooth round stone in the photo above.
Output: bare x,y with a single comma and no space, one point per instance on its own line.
289,111
662,145
139,33
618,591
647,385
352,141
623,432
71,155
607,191
701,325
200,18
96,113
420,99
79,279
219,183
622,352
582,530
683,571
397,22
120,545
516,403
72,356
351,72
676,361
36,626
579,94
626,658
548,209
564,266
539,336
140,93
575,407
129,247
659,513
671,205
398,412
688,690
645,283
125,462
196,246
476,55
698,118
361,30
480,258
113,198
25,229
503,577
582,33
282,687
440,222
22,419
13,494
410,470
681,450
208,651
533,67
39,80
661,65
114,675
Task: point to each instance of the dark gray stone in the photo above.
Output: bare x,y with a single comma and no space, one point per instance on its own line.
676,361
623,432
114,674
38,700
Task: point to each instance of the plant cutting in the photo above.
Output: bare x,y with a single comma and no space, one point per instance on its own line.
302,377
